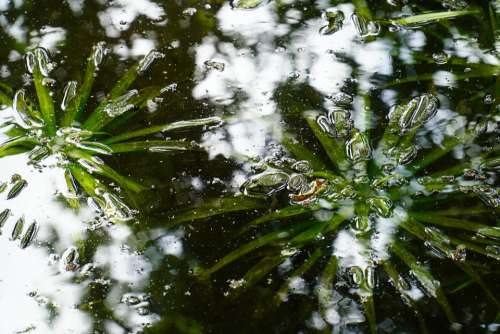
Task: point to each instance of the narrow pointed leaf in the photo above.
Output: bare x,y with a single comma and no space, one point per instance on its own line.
154,146
164,128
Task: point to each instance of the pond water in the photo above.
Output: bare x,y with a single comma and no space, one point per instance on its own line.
306,166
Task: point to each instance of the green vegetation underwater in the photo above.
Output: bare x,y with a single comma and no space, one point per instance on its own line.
249,166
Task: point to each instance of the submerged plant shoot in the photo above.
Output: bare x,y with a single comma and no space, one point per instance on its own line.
250,166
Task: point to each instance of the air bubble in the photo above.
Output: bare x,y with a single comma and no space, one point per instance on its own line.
265,184
98,53
440,58
381,205
414,113
364,27
325,125
358,148
146,62
68,94
120,105
70,258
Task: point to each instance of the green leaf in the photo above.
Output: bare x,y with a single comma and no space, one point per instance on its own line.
257,272
423,275
44,99
215,207
93,165
300,152
17,144
396,278
181,125
118,96
72,199
431,17
324,289
286,212
334,148
306,266
243,250
481,229
154,146
77,108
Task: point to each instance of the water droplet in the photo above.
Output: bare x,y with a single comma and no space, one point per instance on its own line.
414,113
341,121
358,148
130,299
454,4
407,154
16,189
143,311
18,229
39,57
146,62
68,94
30,61
460,253
356,275
381,205
30,235
342,99
361,224
121,104
297,183
335,21
214,65
265,184
302,166
115,209
440,58
98,53
325,125
189,11
488,99
364,27
370,279
69,259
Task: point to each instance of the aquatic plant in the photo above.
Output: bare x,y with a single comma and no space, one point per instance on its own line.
74,137
359,211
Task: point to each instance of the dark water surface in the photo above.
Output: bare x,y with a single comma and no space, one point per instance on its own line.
417,243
